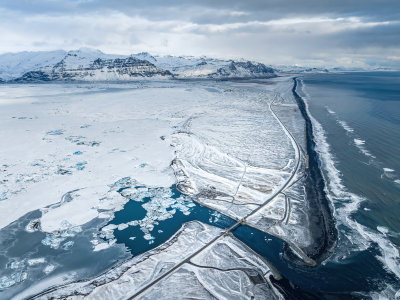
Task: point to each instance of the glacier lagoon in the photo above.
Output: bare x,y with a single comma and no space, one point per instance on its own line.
114,171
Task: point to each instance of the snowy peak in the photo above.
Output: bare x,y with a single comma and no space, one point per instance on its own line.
94,65
145,56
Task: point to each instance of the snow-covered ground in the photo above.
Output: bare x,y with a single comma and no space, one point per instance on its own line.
236,161
68,149
63,146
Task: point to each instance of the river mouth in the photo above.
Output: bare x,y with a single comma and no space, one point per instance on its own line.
140,230
139,237
153,215
129,229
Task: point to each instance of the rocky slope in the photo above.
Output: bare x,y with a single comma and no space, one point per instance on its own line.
243,70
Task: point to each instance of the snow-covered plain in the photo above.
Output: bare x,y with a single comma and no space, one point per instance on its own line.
65,149
236,161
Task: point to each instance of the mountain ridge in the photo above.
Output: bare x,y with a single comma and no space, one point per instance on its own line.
94,65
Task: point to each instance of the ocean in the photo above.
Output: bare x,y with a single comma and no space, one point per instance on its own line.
356,124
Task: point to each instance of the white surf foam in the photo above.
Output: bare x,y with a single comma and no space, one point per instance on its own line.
360,144
345,126
389,174
345,202
330,111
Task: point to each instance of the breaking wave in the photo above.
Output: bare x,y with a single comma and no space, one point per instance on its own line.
345,126
359,143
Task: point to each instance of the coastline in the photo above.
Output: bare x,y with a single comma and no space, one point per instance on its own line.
322,216
358,235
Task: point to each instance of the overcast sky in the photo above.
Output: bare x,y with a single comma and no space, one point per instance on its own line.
354,33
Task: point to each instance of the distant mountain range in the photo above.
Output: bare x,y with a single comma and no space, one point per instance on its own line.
94,65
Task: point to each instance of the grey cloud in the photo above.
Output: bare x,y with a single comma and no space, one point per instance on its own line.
259,9
377,36
222,28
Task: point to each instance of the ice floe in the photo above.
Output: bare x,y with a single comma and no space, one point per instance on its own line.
8,281
48,269
55,238
36,261
76,150
159,204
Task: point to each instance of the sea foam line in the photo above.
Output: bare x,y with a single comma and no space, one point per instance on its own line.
359,143
345,126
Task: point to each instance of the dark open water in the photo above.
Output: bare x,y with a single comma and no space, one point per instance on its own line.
358,138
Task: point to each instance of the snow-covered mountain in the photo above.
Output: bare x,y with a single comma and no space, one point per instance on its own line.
204,67
98,70
81,65
14,65
94,65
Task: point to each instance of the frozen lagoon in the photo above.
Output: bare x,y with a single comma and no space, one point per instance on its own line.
67,148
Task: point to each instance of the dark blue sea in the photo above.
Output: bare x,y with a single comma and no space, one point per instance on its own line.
356,122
